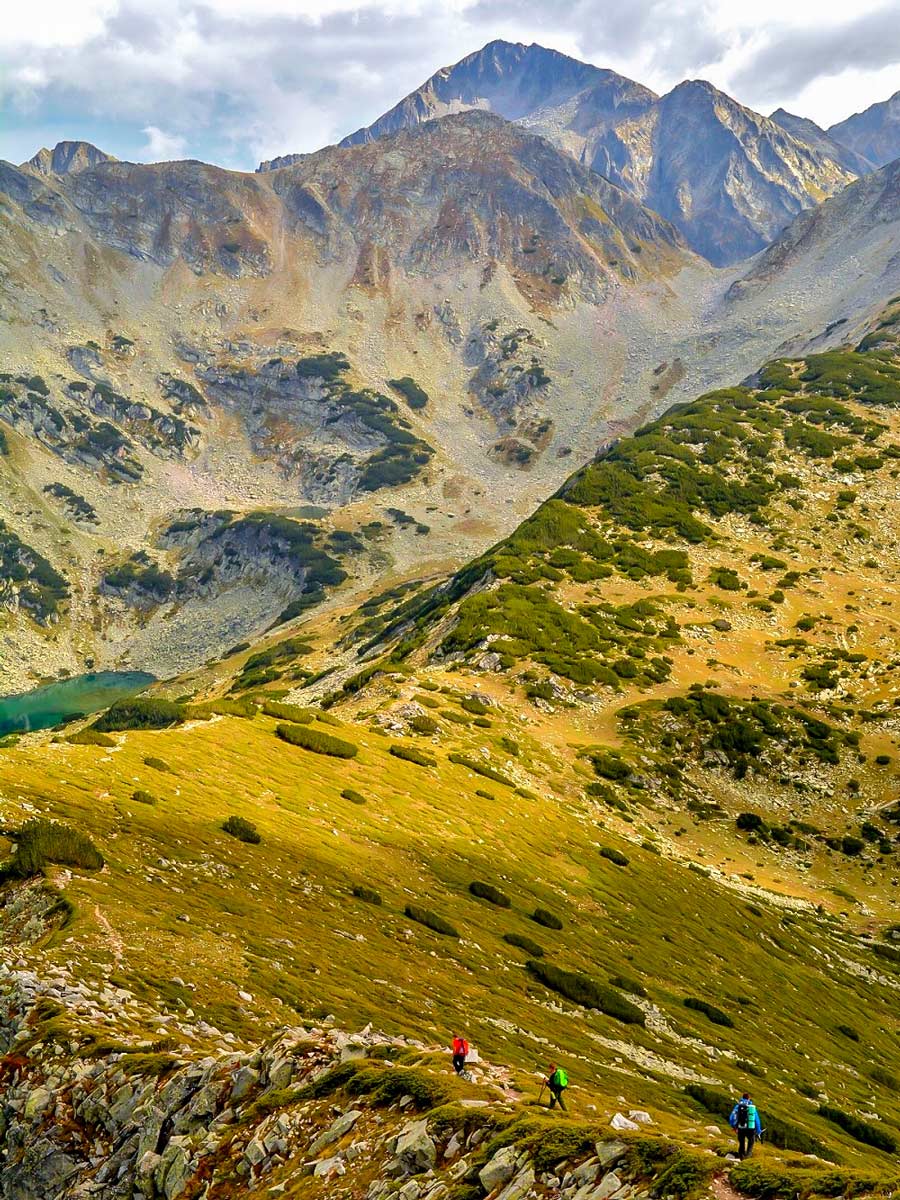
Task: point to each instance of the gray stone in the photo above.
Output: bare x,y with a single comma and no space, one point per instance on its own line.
244,1081
341,1126
329,1166
518,1186
609,1152
415,1150
498,1170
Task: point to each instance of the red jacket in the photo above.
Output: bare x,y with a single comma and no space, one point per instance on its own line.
460,1046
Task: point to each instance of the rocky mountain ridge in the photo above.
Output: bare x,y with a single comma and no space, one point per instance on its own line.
874,133
728,178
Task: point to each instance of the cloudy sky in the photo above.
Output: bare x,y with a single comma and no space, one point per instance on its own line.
234,81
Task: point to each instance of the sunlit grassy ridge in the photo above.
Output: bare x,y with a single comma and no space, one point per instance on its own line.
654,714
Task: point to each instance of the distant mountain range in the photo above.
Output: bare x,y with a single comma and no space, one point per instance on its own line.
728,179
874,133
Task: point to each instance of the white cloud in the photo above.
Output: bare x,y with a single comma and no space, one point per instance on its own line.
162,146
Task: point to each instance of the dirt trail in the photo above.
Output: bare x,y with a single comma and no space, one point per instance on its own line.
722,1189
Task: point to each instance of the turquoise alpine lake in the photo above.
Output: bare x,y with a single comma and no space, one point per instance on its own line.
82,694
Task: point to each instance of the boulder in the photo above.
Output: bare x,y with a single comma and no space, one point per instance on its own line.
622,1123
519,1185
609,1152
498,1171
415,1150
642,1118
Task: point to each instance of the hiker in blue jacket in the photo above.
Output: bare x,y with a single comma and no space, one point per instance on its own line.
744,1120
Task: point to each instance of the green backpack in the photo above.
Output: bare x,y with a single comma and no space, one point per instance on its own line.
560,1078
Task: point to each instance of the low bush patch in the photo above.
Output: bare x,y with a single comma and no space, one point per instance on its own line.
411,754
487,891
581,989
141,713
614,856
158,764
90,737
709,1011
480,768
142,797
548,919
626,984
287,712
243,830
40,842
317,741
353,796
524,943
367,894
862,1131
425,916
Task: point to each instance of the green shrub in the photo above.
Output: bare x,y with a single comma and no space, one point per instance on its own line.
141,712
849,1032
473,705
487,891
786,1182
243,830
316,741
40,842
480,768
353,796
287,712
421,723
614,856
158,764
626,984
142,797
862,1131
886,1078
581,989
411,754
710,1011
415,396
548,919
90,737
369,895
425,917
524,943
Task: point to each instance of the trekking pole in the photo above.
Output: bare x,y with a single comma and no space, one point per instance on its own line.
541,1092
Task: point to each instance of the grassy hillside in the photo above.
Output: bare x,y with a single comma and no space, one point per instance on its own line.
656,727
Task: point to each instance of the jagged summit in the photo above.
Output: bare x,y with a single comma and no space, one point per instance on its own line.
874,133
66,158
513,80
814,136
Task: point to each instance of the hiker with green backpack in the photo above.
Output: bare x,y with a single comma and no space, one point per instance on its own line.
557,1081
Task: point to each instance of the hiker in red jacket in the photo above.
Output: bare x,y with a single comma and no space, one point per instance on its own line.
460,1052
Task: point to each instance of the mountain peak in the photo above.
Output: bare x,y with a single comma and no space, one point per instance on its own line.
66,158
873,133
508,78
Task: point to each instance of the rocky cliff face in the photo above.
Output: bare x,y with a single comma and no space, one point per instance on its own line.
726,177
874,133
802,129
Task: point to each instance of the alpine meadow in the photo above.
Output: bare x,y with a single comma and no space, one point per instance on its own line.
450,648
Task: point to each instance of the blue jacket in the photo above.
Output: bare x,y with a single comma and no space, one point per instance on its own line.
753,1121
